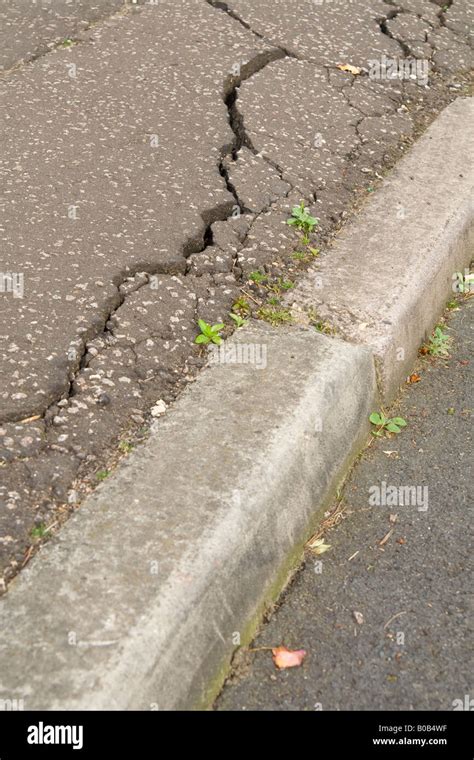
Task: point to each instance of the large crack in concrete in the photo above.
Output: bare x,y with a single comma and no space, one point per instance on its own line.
225,8
197,243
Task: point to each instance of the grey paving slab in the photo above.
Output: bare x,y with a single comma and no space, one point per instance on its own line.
413,650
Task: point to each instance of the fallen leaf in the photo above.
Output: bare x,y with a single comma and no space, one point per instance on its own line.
358,617
414,378
351,69
286,658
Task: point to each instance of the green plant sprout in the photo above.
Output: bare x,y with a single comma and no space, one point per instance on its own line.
241,306
386,424
39,531
209,333
438,343
274,316
239,321
302,220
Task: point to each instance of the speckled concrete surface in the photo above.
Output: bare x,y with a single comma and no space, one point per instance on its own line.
30,28
127,156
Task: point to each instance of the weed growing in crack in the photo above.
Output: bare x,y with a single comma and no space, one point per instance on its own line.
277,286
102,474
274,316
322,327
209,333
319,324
239,321
305,256
303,221
241,306
385,424
438,343
39,531
125,447
258,278
282,284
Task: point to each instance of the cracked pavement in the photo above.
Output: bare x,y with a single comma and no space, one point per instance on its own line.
151,155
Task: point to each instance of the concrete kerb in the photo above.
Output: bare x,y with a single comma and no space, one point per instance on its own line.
389,275
144,595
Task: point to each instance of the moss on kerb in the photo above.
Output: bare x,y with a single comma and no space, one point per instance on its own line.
283,577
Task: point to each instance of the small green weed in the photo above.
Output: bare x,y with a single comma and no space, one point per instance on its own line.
241,306
274,316
125,447
209,333
438,343
239,321
39,531
386,424
302,220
